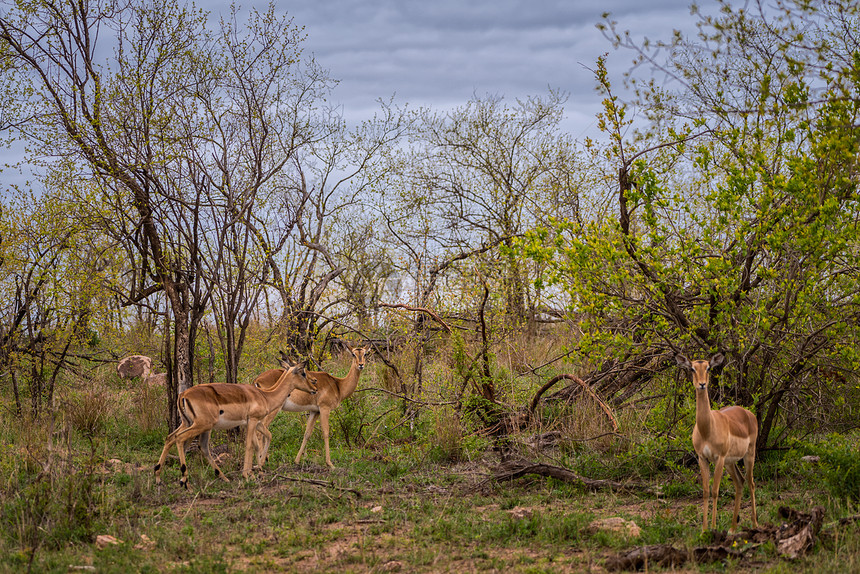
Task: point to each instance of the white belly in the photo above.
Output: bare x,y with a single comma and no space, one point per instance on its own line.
292,407
737,450
225,423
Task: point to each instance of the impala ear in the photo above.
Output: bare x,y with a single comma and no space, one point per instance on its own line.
285,360
286,364
717,360
368,350
683,362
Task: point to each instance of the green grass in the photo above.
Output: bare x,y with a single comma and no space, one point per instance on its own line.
423,504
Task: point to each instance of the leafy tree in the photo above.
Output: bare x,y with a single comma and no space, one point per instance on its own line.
472,180
737,211
52,299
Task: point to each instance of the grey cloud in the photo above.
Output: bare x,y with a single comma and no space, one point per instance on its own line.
440,53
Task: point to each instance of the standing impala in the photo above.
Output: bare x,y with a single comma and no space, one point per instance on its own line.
722,437
331,391
223,406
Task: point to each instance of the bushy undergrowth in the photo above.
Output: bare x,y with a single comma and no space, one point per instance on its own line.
50,496
839,465
87,470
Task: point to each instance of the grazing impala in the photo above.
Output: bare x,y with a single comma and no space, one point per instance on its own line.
223,406
331,392
722,437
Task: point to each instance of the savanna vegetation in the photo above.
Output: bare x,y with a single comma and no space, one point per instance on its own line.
197,200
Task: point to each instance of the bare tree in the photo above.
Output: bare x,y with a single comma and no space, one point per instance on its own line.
164,115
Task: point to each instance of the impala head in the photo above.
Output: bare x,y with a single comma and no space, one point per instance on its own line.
700,369
301,377
360,354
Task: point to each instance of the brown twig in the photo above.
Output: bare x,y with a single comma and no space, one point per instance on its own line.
436,317
517,468
405,398
582,384
315,482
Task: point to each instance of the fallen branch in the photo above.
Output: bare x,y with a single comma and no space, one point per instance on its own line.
843,521
791,539
315,482
517,468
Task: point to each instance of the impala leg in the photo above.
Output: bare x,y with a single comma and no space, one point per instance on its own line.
186,435
263,445
738,481
715,491
260,447
183,467
250,442
181,438
705,470
203,439
264,436
324,414
169,442
204,448
749,461
207,454
308,430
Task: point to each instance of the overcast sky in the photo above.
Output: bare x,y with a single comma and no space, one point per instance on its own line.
440,53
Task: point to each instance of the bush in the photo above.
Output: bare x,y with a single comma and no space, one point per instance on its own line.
87,411
840,466
447,438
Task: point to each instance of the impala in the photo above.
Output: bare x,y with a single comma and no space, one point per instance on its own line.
331,391
222,406
721,437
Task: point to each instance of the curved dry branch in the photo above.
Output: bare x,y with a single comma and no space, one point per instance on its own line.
517,468
315,482
582,384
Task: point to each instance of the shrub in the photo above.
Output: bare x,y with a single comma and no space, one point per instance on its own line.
87,411
447,438
840,466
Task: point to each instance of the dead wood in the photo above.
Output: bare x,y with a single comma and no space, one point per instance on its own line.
646,557
846,520
516,468
424,310
322,483
792,539
584,387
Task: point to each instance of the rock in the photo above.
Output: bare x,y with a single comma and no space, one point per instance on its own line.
105,540
146,543
616,524
134,366
520,513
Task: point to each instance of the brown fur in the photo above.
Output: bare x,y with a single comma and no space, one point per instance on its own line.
722,437
221,405
331,391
